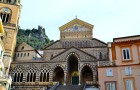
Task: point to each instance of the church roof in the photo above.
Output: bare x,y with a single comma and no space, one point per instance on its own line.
24,47
76,49
76,21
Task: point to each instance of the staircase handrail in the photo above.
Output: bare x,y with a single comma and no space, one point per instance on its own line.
55,86
84,87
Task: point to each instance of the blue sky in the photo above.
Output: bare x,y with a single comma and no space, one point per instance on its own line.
111,18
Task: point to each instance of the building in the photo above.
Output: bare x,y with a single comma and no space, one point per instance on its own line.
122,72
5,80
72,60
9,13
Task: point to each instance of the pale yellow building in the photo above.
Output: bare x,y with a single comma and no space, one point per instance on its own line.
9,13
5,80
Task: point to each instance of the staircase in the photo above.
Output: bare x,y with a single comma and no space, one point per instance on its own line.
70,87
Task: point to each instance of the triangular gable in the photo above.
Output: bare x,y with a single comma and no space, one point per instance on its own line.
24,47
76,21
82,55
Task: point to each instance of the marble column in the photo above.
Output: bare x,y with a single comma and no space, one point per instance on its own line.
65,75
79,74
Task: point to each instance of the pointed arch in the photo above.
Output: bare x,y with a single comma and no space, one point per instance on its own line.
72,67
86,74
58,75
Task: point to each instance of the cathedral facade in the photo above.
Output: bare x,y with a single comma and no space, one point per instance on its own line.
72,60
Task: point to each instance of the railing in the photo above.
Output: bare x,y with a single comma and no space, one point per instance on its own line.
90,83
84,88
106,63
55,86
34,83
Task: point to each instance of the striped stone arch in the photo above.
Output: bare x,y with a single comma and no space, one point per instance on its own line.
58,65
72,53
68,56
32,68
87,64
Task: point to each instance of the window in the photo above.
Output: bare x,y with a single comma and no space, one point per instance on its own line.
24,54
100,55
5,14
18,55
21,54
110,85
18,77
28,54
12,1
22,48
129,84
31,77
128,71
109,72
126,53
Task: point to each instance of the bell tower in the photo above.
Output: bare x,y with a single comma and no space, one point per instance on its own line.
9,13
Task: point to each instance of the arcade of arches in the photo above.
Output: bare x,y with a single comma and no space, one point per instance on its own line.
70,61
73,74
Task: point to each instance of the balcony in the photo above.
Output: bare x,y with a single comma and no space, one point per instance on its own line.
106,63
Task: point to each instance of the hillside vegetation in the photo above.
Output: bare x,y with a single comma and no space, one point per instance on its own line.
34,37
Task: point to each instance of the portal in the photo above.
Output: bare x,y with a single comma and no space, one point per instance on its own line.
73,77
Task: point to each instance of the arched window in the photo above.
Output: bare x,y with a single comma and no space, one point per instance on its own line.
28,77
21,77
18,55
34,77
24,54
47,77
41,77
31,77
22,48
15,77
18,77
100,56
44,77
28,54
5,14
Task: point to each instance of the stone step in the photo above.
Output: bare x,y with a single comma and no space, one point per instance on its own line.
70,87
